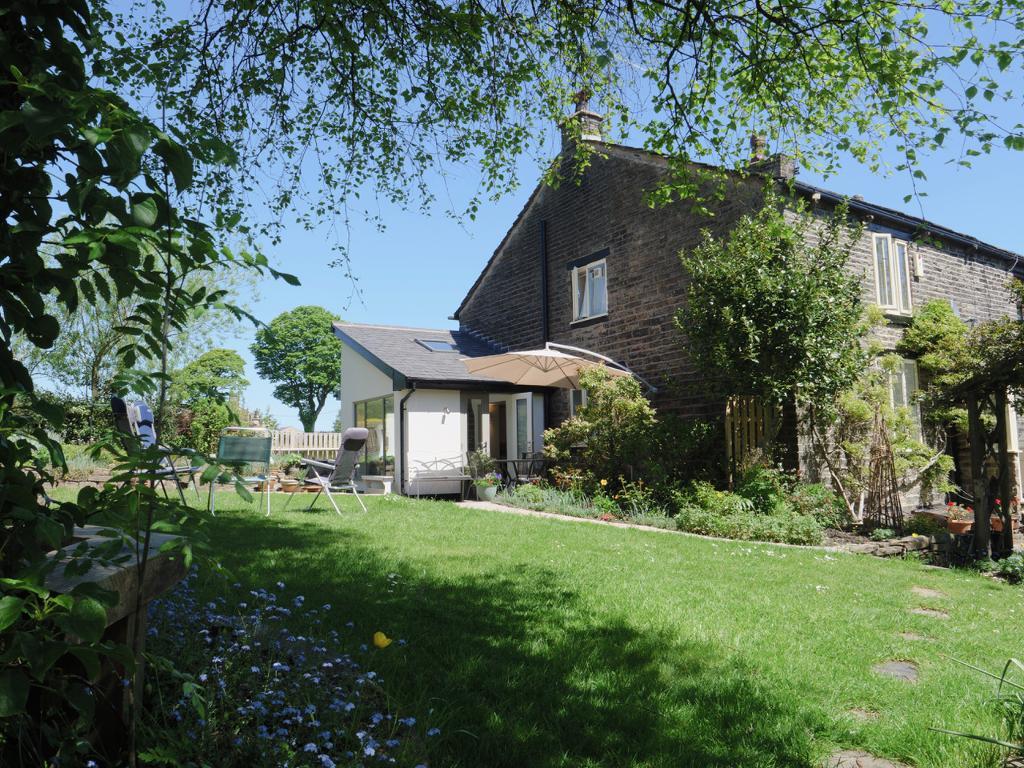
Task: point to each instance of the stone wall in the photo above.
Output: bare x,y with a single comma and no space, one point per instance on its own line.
606,209
941,542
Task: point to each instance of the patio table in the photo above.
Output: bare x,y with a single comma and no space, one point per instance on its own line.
521,468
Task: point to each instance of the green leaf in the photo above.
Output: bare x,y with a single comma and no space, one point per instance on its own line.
86,621
137,138
97,135
90,660
13,692
144,212
178,162
10,610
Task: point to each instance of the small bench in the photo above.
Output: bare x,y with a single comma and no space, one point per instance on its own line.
375,483
461,478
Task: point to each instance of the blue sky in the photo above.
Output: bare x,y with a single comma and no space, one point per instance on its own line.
417,270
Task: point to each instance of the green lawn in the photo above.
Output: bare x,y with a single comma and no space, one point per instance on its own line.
537,642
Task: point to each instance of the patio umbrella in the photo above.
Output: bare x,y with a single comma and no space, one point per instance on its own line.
536,368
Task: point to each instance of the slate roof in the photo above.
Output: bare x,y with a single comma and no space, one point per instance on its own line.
396,351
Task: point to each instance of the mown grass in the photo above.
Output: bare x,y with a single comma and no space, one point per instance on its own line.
548,643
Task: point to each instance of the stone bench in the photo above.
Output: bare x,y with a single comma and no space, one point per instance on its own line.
378,483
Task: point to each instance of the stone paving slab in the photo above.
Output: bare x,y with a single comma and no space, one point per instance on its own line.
913,636
854,758
899,670
932,612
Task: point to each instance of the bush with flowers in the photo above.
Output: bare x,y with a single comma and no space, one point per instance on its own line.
246,688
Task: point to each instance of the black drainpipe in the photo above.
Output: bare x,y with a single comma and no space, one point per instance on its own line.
544,336
401,438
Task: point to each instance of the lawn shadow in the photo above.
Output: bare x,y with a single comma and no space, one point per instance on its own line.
519,670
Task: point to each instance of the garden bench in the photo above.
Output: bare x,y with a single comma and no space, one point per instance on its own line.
376,483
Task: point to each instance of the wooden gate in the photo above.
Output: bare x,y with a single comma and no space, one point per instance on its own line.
749,426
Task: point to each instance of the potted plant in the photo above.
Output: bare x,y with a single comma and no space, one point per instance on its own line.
487,485
959,519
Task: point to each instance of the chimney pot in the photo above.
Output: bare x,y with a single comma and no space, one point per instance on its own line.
589,121
758,147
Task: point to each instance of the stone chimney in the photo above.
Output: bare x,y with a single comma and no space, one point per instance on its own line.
758,148
778,166
589,121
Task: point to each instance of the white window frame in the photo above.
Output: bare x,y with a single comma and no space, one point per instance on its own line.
909,385
581,306
574,395
902,301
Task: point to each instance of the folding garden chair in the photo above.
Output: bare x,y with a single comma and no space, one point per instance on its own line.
239,447
341,475
135,422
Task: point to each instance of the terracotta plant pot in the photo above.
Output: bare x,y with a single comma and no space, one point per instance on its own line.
996,524
290,486
959,527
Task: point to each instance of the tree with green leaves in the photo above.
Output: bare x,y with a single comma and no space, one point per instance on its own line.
387,94
299,352
217,375
87,212
772,311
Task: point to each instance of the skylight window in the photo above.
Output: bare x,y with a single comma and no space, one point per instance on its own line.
437,345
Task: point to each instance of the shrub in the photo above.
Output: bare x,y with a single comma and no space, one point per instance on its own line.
787,528
700,508
635,499
614,429
209,418
882,534
81,463
286,462
683,450
1010,568
479,463
764,486
925,525
821,503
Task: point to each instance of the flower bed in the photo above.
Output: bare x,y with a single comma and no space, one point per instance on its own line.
245,687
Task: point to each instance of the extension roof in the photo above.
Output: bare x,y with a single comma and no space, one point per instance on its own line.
400,353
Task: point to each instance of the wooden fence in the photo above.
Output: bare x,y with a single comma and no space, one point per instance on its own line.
749,426
309,444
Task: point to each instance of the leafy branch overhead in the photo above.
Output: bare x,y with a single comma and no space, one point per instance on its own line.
340,102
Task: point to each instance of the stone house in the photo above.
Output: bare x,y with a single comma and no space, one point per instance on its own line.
591,264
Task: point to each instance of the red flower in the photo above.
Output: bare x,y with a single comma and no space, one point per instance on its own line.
970,509
951,504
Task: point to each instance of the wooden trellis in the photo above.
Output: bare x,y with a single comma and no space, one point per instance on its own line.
882,508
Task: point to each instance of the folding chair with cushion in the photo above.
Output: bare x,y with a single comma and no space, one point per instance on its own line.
239,447
135,422
341,475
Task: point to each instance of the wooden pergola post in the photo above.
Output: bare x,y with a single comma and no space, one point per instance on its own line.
976,436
